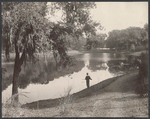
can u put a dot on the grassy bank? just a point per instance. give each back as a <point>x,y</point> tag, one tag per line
<point>84,93</point>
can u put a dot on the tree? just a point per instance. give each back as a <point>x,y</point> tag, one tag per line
<point>7,27</point>
<point>6,32</point>
<point>6,37</point>
<point>145,36</point>
<point>112,40</point>
<point>134,35</point>
<point>90,28</point>
<point>27,22</point>
<point>125,39</point>
<point>57,35</point>
<point>77,19</point>
<point>95,41</point>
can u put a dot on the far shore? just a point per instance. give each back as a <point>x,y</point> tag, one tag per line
<point>75,52</point>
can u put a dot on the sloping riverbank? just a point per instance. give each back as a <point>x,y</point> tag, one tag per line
<point>115,97</point>
<point>84,93</point>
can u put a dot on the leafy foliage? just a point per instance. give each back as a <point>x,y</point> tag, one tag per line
<point>145,35</point>
<point>124,39</point>
<point>95,41</point>
<point>27,23</point>
<point>58,37</point>
<point>77,16</point>
<point>76,22</point>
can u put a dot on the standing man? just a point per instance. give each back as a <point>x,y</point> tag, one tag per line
<point>88,78</point>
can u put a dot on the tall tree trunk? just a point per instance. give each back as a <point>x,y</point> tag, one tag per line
<point>55,54</point>
<point>64,58</point>
<point>15,82</point>
<point>7,48</point>
<point>17,69</point>
<point>16,76</point>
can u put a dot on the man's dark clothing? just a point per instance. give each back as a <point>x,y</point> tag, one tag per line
<point>87,78</point>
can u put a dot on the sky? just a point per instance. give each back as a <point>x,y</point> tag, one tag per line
<point>120,15</point>
<point>117,15</point>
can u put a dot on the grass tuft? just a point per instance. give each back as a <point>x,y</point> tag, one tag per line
<point>64,106</point>
<point>12,108</point>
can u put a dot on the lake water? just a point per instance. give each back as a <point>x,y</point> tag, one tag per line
<point>41,81</point>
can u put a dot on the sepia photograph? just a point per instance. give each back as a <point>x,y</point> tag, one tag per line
<point>74,59</point>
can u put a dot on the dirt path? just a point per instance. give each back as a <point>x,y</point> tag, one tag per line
<point>116,100</point>
<point>122,99</point>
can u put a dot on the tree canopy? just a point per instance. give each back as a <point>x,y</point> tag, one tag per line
<point>28,24</point>
<point>26,19</point>
<point>124,39</point>
<point>76,22</point>
<point>77,16</point>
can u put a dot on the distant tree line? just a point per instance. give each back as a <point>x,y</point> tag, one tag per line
<point>128,39</point>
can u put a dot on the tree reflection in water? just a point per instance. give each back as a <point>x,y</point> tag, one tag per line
<point>38,73</point>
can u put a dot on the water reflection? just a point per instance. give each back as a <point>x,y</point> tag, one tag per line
<point>42,81</point>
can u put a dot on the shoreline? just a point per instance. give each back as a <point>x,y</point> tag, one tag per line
<point>48,103</point>
<point>78,52</point>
